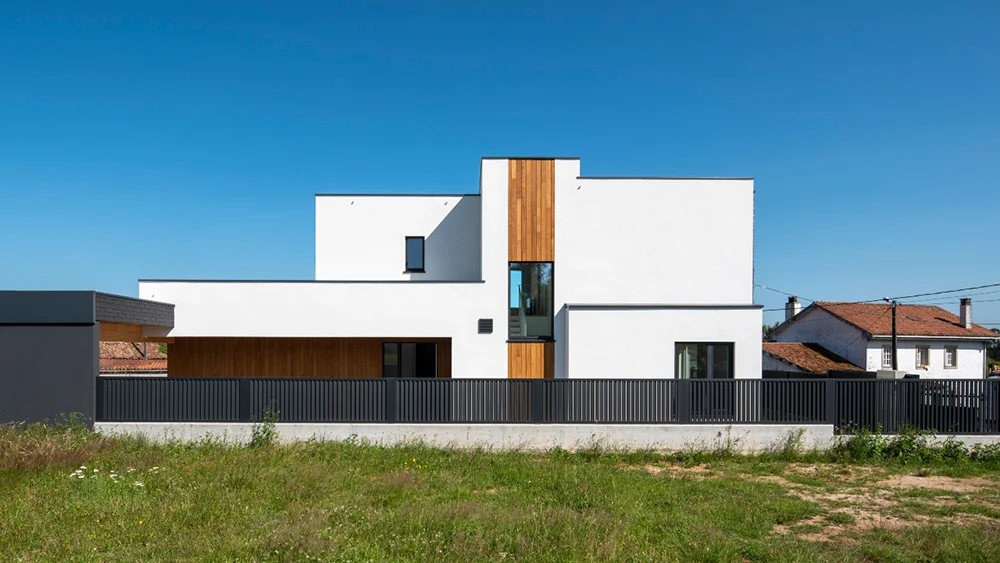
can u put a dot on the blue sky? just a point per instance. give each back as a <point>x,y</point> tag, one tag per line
<point>186,139</point>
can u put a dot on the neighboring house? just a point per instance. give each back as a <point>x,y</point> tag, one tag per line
<point>132,358</point>
<point>932,342</point>
<point>804,357</point>
<point>543,273</point>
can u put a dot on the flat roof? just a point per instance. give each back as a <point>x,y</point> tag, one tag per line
<point>394,195</point>
<point>664,177</point>
<point>309,281</point>
<point>530,158</point>
<point>81,307</point>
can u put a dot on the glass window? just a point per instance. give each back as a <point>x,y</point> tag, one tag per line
<point>390,359</point>
<point>409,359</point>
<point>950,357</point>
<point>703,360</point>
<point>887,356</point>
<point>414,254</point>
<point>531,300</point>
<point>923,357</point>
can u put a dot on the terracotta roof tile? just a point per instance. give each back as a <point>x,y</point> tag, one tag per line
<point>911,320</point>
<point>808,356</point>
<point>131,351</point>
<point>133,365</point>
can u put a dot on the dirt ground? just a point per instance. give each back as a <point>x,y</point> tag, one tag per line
<point>856,499</point>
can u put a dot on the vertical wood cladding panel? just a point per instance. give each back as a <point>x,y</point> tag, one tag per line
<point>531,219</point>
<point>288,357</point>
<point>530,360</point>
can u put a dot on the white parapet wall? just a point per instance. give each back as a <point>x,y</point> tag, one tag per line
<point>744,438</point>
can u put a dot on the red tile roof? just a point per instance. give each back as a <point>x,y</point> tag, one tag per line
<point>808,356</point>
<point>911,320</point>
<point>131,351</point>
<point>133,365</point>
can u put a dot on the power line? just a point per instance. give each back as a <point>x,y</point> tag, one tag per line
<point>964,296</point>
<point>945,291</point>
<point>782,292</point>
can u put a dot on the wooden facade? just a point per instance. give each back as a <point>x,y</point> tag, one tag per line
<point>531,237</point>
<point>531,360</point>
<point>288,357</point>
<point>531,210</point>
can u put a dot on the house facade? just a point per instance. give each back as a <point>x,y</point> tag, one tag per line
<point>542,273</point>
<point>932,342</point>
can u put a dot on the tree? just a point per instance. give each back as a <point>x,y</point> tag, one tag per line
<point>767,330</point>
<point>993,349</point>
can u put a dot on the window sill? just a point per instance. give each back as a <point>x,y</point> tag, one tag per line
<point>530,339</point>
<point>414,271</point>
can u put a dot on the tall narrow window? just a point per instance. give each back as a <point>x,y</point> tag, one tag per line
<point>923,357</point>
<point>886,356</point>
<point>703,360</point>
<point>414,254</point>
<point>531,300</point>
<point>950,356</point>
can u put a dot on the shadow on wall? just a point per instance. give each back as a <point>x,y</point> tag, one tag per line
<point>561,329</point>
<point>453,250</point>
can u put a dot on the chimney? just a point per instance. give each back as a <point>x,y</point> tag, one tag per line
<point>965,313</point>
<point>793,307</point>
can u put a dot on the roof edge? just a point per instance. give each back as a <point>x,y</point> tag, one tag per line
<point>744,178</point>
<point>394,195</point>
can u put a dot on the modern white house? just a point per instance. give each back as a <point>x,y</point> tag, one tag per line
<point>541,273</point>
<point>931,342</point>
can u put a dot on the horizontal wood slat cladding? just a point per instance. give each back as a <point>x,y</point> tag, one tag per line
<point>531,360</point>
<point>288,357</point>
<point>531,215</point>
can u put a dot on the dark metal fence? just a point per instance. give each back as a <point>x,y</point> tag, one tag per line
<point>944,406</point>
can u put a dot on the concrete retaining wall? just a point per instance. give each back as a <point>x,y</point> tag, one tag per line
<point>743,438</point>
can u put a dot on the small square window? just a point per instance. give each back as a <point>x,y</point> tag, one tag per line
<point>951,356</point>
<point>887,356</point>
<point>414,254</point>
<point>923,357</point>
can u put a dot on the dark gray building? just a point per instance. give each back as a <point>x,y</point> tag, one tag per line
<point>49,352</point>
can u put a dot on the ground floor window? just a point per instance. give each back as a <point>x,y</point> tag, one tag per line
<point>409,359</point>
<point>923,357</point>
<point>704,360</point>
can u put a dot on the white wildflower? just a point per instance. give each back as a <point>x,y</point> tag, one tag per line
<point>138,484</point>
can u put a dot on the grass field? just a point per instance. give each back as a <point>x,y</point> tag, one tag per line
<point>69,495</point>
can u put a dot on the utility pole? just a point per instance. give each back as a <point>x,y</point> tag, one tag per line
<point>895,336</point>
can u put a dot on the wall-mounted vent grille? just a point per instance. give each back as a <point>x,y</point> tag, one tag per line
<point>485,326</point>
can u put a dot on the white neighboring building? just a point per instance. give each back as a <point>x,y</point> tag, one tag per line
<point>932,342</point>
<point>543,273</point>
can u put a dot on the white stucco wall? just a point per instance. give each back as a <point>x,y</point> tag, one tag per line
<point>362,237</point>
<point>970,358</point>
<point>659,241</point>
<point>639,343</point>
<point>816,325</point>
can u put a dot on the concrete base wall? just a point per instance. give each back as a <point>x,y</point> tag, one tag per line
<point>742,438</point>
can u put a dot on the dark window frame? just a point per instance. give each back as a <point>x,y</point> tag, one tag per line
<point>552,319</point>
<point>423,255</point>
<point>732,355</point>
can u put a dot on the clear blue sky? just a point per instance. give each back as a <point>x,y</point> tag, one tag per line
<point>187,140</point>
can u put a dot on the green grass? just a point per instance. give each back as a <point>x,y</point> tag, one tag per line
<point>352,502</point>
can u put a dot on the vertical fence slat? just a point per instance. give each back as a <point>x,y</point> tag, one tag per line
<point>942,406</point>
